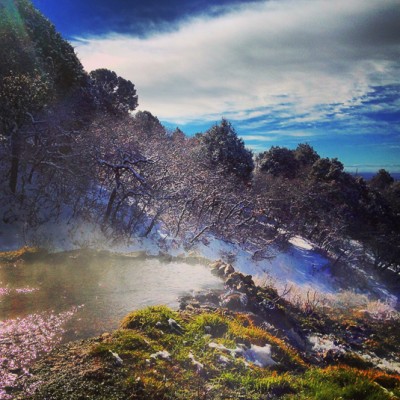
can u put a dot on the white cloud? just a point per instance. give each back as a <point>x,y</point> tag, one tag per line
<point>259,138</point>
<point>301,53</point>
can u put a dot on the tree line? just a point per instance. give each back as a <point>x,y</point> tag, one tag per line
<point>70,140</point>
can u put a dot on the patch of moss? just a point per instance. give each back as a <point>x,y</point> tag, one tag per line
<point>241,327</point>
<point>147,318</point>
<point>209,323</point>
<point>256,384</point>
<point>24,253</point>
<point>353,360</point>
<point>340,382</point>
<point>158,363</point>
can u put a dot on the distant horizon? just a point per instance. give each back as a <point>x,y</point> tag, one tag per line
<point>282,72</point>
<point>369,174</point>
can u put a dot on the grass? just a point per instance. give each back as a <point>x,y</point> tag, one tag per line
<point>346,383</point>
<point>222,375</point>
<point>24,253</point>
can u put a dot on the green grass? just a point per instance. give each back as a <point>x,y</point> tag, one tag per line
<point>24,253</point>
<point>144,376</point>
<point>341,382</point>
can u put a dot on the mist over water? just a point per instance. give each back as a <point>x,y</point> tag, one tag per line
<point>105,287</point>
<point>75,295</point>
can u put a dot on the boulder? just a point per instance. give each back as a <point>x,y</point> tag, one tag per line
<point>235,301</point>
<point>228,269</point>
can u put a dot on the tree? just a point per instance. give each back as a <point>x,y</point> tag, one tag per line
<point>149,125</point>
<point>36,66</point>
<point>381,181</point>
<point>178,135</point>
<point>20,95</point>
<point>113,93</point>
<point>392,195</point>
<point>326,169</point>
<point>278,161</point>
<point>305,154</point>
<point>223,147</point>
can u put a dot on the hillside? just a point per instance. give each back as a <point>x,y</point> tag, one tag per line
<point>79,166</point>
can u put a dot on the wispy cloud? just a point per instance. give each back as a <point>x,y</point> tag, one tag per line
<point>259,138</point>
<point>304,54</point>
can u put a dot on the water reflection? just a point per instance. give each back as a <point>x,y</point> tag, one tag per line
<point>109,286</point>
<point>76,295</point>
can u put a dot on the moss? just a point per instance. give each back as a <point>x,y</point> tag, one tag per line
<point>340,382</point>
<point>214,324</point>
<point>243,328</point>
<point>147,318</point>
<point>24,253</point>
<point>353,360</point>
<point>144,375</point>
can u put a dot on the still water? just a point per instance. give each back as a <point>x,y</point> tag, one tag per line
<point>76,295</point>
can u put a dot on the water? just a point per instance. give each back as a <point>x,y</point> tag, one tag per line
<point>77,295</point>
<point>369,175</point>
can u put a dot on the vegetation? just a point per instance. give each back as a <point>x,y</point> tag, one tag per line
<point>146,359</point>
<point>71,148</point>
<point>25,253</point>
<point>68,141</point>
<point>223,147</point>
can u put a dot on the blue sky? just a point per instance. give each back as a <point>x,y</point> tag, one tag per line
<point>282,71</point>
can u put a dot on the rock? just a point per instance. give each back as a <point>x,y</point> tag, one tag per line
<point>105,335</point>
<point>296,340</point>
<point>233,279</point>
<point>242,287</point>
<point>117,359</point>
<point>331,356</point>
<point>248,280</point>
<point>175,327</point>
<point>228,269</point>
<point>208,297</point>
<point>150,362</point>
<point>161,354</point>
<point>199,366</point>
<point>216,265</point>
<point>223,360</point>
<point>235,301</point>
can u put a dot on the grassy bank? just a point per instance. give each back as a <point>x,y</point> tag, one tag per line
<point>199,354</point>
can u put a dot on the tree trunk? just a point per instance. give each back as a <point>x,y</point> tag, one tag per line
<point>15,154</point>
<point>110,204</point>
<point>153,222</point>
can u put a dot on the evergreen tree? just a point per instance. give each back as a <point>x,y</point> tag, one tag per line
<point>279,161</point>
<point>305,154</point>
<point>382,180</point>
<point>36,66</point>
<point>113,93</point>
<point>223,147</point>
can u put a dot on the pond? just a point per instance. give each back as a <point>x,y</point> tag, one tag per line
<point>75,295</point>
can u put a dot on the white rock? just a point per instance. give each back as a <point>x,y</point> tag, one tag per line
<point>260,356</point>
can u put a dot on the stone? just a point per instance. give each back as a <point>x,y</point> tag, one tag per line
<point>235,301</point>
<point>248,280</point>
<point>228,269</point>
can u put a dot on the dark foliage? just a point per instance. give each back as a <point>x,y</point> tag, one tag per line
<point>113,93</point>
<point>329,206</point>
<point>223,147</point>
<point>306,155</point>
<point>381,181</point>
<point>279,162</point>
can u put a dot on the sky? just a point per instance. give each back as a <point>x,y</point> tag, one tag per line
<point>283,72</point>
